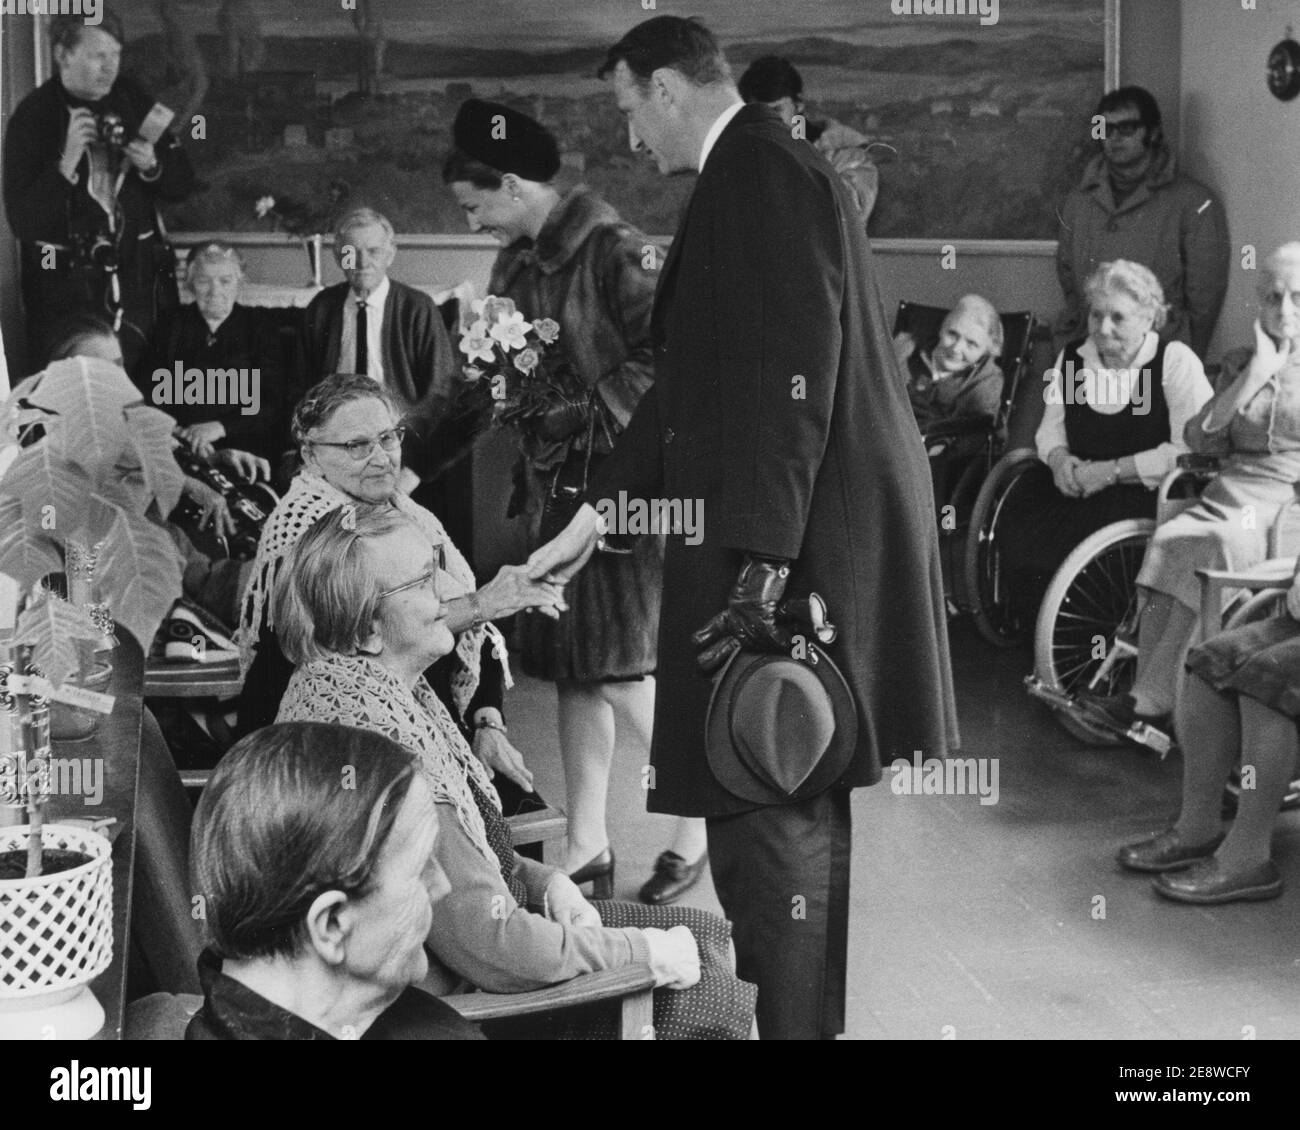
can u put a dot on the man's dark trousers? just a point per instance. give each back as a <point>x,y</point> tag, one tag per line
<point>782,875</point>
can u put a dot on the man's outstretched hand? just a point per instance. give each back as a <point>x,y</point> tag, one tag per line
<point>561,557</point>
<point>749,620</point>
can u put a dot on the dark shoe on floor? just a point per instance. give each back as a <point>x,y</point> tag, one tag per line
<point>1207,883</point>
<point>599,872</point>
<point>1165,851</point>
<point>1119,711</point>
<point>673,877</point>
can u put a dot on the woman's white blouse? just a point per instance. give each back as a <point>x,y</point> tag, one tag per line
<point>1110,391</point>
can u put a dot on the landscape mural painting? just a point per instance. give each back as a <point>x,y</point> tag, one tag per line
<point>978,129</point>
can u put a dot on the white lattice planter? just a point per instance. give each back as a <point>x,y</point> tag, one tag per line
<point>56,936</point>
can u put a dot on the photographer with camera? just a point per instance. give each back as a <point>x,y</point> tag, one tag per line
<point>86,159</point>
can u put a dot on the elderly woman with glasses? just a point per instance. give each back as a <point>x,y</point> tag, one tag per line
<point>351,442</point>
<point>357,607</point>
<point>216,332</point>
<point>313,853</point>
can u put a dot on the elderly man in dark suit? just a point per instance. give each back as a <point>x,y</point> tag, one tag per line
<point>390,331</point>
<point>778,403</point>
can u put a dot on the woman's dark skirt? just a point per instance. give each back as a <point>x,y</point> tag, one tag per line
<point>1040,528</point>
<point>1261,660</point>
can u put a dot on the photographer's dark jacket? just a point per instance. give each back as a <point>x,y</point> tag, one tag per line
<point>43,206</point>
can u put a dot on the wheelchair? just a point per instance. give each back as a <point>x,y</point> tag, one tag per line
<point>1085,630</point>
<point>956,496</point>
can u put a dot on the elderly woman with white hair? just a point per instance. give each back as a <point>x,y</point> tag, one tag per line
<point>1117,404</point>
<point>217,332</point>
<point>1253,425</point>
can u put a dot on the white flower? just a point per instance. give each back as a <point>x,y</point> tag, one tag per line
<point>511,330</point>
<point>264,205</point>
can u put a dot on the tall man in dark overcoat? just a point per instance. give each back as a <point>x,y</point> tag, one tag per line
<point>778,403</point>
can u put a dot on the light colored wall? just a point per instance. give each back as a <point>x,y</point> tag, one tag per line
<point>1238,138</point>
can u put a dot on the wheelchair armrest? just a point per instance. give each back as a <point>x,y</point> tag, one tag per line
<point>958,426</point>
<point>631,984</point>
<point>1194,462</point>
<point>1203,467</point>
<point>1274,574</point>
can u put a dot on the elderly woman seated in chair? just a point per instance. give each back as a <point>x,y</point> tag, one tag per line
<point>1116,406</point>
<point>218,333</point>
<point>312,848</point>
<point>953,377</point>
<point>1240,705</point>
<point>1253,425</point>
<point>351,441</point>
<point>357,608</point>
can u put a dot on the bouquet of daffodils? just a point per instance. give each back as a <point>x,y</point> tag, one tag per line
<point>511,364</point>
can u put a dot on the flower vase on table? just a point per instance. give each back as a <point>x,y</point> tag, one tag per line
<point>75,723</point>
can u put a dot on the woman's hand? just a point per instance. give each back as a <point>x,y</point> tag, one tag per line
<point>565,904</point>
<point>904,346</point>
<point>1064,468</point>
<point>674,957</point>
<point>511,591</point>
<point>493,748</point>
<point>201,437</point>
<point>1269,355</point>
<point>244,465</point>
<point>212,507</point>
<point>1092,477</point>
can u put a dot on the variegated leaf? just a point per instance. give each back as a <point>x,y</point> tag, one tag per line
<point>139,572</point>
<point>39,479</point>
<point>89,396</point>
<point>24,558</point>
<point>151,438</point>
<point>52,627</point>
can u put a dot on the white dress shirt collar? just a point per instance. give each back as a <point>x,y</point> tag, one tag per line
<point>715,130</point>
<point>374,300</point>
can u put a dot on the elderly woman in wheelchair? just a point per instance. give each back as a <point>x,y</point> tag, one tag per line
<point>1116,406</point>
<point>1239,704</point>
<point>1253,425</point>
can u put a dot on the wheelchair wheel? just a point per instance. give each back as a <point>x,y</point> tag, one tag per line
<point>996,616</point>
<point>1091,595</point>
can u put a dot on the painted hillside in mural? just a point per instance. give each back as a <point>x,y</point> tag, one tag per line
<point>978,130</point>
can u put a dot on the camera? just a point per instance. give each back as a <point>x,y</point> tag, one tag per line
<point>111,129</point>
<point>94,252</point>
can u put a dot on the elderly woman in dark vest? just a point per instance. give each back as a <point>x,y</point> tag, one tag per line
<point>1112,428</point>
<point>568,257</point>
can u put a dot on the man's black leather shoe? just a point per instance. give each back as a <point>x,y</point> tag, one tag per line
<point>673,877</point>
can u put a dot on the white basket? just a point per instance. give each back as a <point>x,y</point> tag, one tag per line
<point>56,931</point>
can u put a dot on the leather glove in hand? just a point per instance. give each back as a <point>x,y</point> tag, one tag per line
<point>563,420</point>
<point>749,620</point>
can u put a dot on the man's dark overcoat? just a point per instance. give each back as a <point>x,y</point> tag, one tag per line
<point>778,402</point>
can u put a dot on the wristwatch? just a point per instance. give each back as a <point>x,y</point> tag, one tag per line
<point>490,724</point>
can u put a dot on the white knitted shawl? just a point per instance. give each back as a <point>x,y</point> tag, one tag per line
<point>355,690</point>
<point>308,499</point>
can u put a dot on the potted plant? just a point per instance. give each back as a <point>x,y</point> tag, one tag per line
<point>88,481</point>
<point>87,496</point>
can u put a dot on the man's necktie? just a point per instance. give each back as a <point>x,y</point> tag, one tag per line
<point>363,359</point>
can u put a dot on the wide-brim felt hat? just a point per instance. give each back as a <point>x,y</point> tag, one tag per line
<point>780,729</point>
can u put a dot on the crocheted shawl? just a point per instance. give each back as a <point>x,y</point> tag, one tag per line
<point>308,499</point>
<point>355,690</point>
